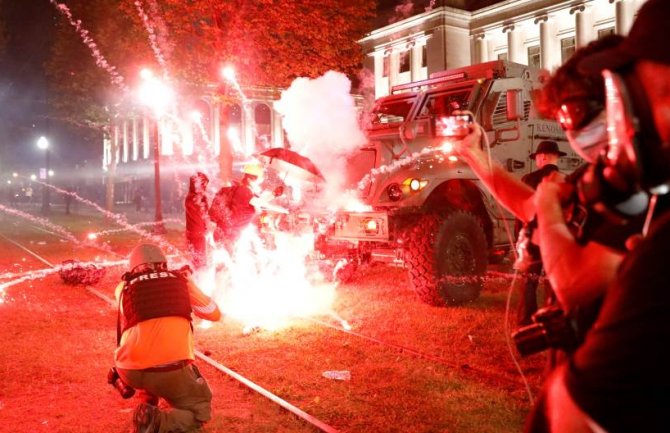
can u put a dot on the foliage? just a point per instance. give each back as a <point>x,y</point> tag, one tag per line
<point>269,42</point>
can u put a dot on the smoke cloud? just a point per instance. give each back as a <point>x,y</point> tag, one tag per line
<point>321,122</point>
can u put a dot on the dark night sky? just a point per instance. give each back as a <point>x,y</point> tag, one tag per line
<point>22,83</point>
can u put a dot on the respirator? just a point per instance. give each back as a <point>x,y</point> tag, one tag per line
<point>613,194</point>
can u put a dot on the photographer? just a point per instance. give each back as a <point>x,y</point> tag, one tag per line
<point>585,270</point>
<point>155,343</point>
<point>618,380</point>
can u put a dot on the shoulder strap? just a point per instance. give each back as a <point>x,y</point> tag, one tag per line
<point>118,317</point>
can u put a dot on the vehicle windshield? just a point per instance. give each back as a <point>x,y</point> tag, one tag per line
<point>444,103</point>
<point>393,111</point>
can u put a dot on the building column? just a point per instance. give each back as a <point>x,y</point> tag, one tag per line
<point>124,132</point>
<point>546,43</point>
<point>582,31</point>
<point>111,171</point>
<point>514,47</point>
<point>624,17</point>
<point>415,65</point>
<point>394,66</point>
<point>380,82</point>
<point>146,139</point>
<point>277,130</point>
<point>481,48</point>
<point>115,144</point>
<point>136,143</point>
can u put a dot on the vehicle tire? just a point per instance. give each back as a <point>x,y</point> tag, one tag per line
<point>446,257</point>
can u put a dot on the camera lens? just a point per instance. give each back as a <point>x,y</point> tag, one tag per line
<point>530,339</point>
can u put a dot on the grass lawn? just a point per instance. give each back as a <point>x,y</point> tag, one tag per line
<point>59,339</point>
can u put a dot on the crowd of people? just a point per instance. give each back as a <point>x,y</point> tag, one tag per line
<point>613,100</point>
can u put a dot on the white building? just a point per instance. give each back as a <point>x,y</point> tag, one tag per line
<point>224,130</point>
<point>541,33</point>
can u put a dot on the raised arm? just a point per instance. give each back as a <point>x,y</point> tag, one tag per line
<point>511,192</point>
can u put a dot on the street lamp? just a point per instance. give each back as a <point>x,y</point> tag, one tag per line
<point>157,96</point>
<point>43,144</point>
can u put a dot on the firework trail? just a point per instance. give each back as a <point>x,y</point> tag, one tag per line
<point>42,221</point>
<point>148,223</point>
<point>100,60</point>
<point>245,106</point>
<point>153,41</point>
<point>119,219</point>
<point>393,166</point>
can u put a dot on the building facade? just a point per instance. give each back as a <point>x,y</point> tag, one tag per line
<point>208,134</point>
<point>540,33</point>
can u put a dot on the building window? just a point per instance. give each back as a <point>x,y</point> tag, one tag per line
<point>404,62</point>
<point>424,56</point>
<point>605,32</point>
<point>567,48</point>
<point>502,56</point>
<point>386,66</point>
<point>534,57</point>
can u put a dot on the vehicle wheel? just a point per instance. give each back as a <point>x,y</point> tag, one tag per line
<point>446,257</point>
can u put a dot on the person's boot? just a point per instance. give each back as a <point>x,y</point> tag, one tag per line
<point>146,419</point>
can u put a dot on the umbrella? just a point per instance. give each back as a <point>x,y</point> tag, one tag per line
<point>291,162</point>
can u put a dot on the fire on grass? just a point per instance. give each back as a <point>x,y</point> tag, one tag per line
<point>264,287</point>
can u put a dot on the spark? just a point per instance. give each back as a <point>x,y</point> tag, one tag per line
<point>100,60</point>
<point>153,42</point>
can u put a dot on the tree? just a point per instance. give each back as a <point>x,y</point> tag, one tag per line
<point>269,42</point>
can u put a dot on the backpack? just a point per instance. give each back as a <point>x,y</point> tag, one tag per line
<point>219,211</point>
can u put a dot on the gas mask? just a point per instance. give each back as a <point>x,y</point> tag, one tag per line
<point>616,194</point>
<point>636,158</point>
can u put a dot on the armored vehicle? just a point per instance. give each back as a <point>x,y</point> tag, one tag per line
<point>429,212</point>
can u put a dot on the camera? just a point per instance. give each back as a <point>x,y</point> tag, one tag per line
<point>552,329</point>
<point>455,126</point>
<point>114,379</point>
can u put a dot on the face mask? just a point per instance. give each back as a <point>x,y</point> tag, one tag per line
<point>590,140</point>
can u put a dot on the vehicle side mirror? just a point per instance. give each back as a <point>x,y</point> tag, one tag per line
<point>514,104</point>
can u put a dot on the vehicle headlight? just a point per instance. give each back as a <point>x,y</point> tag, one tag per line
<point>371,226</point>
<point>415,184</point>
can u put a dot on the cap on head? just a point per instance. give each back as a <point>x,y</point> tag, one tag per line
<point>146,254</point>
<point>253,169</point>
<point>547,147</point>
<point>647,40</point>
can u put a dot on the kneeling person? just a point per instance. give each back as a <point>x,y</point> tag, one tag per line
<point>155,350</point>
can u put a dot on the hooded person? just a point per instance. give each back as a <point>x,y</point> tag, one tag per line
<point>196,207</point>
<point>155,350</point>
